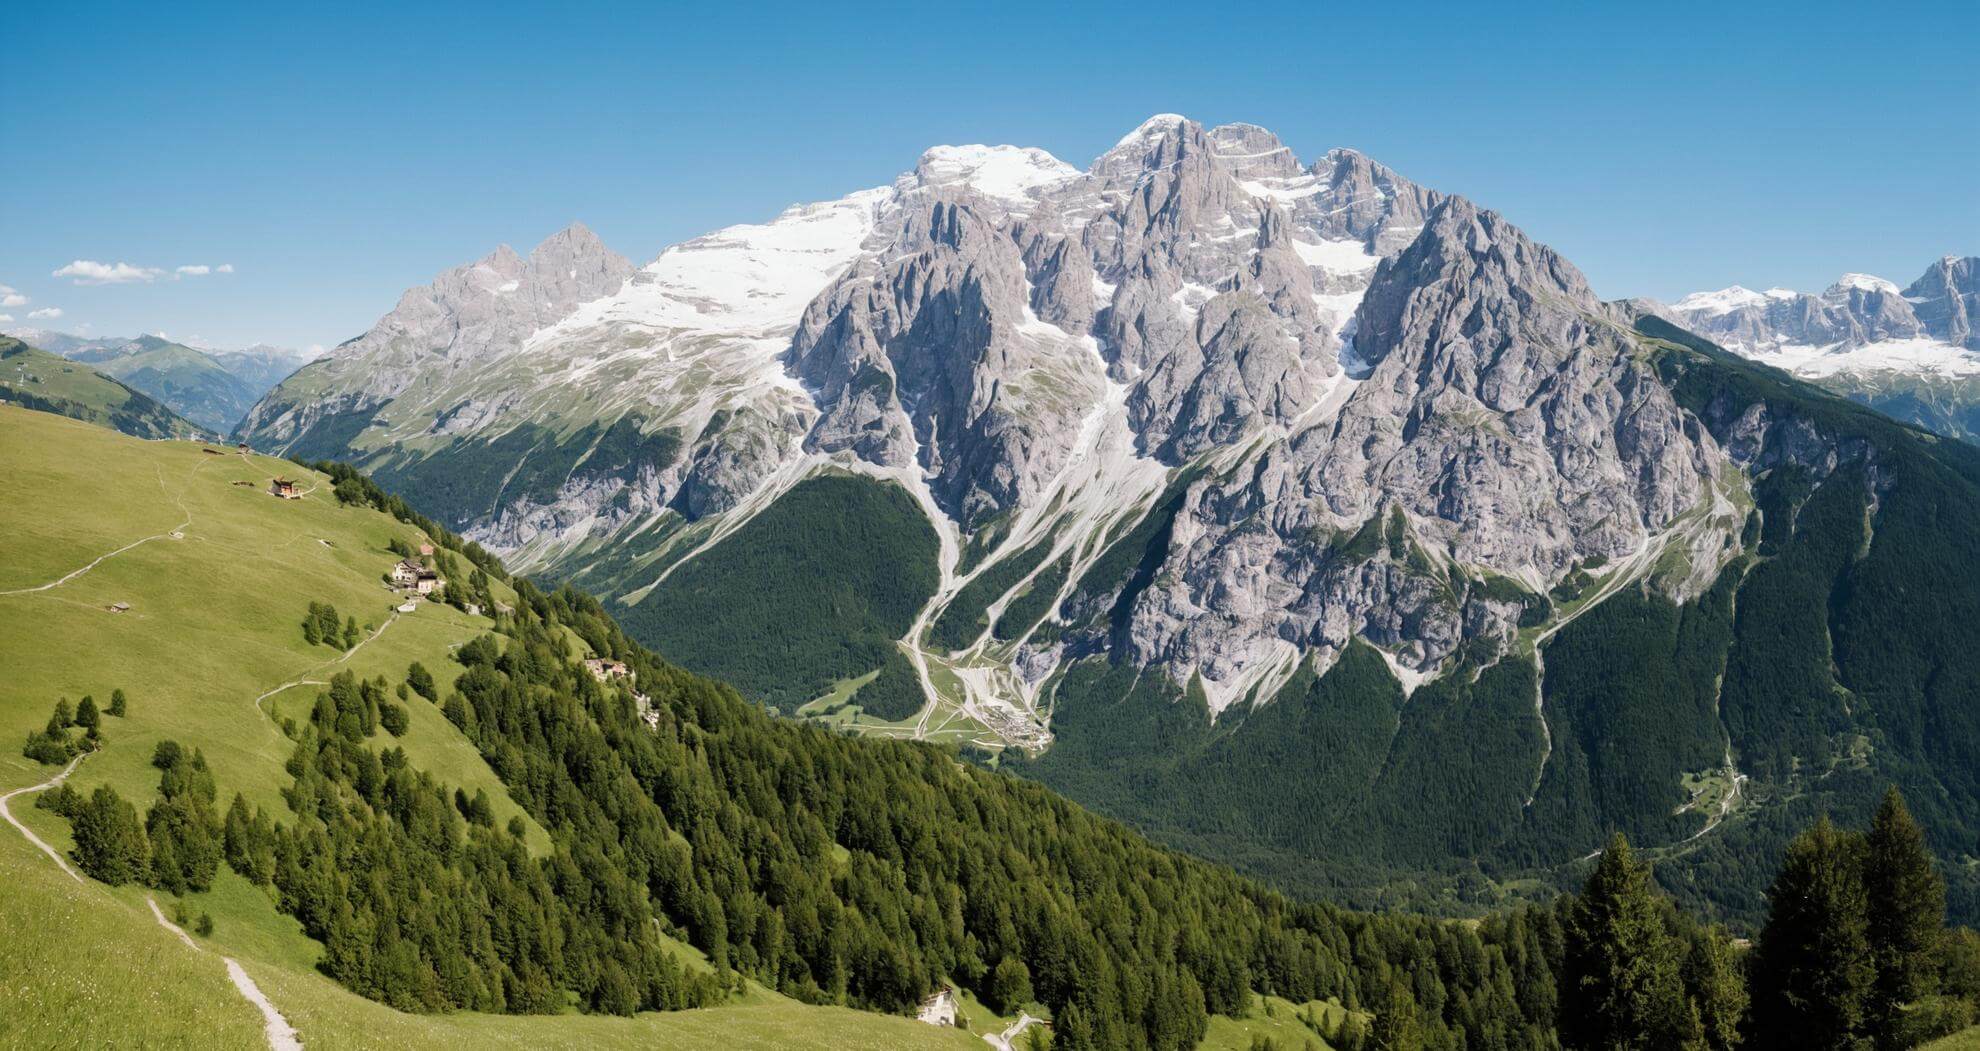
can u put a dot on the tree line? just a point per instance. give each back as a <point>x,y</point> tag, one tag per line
<point>1854,956</point>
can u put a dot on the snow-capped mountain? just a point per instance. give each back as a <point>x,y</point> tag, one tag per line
<point>1036,351</point>
<point>1013,453</point>
<point>1911,352</point>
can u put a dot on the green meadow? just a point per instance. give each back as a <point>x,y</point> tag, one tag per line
<point>215,575</point>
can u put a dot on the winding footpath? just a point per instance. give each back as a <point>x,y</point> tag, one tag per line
<point>281,1035</point>
<point>1007,1040</point>
<point>177,532</point>
<point>41,844</point>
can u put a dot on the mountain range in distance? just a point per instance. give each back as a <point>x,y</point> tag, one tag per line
<point>212,388</point>
<point>1912,353</point>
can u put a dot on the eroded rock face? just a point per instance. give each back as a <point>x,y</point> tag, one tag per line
<point>1507,422</point>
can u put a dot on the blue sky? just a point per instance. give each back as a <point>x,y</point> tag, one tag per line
<point>335,160</point>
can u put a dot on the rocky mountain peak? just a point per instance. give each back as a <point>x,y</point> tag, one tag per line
<point>1249,151</point>
<point>1946,299</point>
<point>1033,349</point>
<point>1472,277</point>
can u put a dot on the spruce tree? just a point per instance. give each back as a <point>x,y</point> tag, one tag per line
<point>1907,912</point>
<point>1621,986</point>
<point>1397,1027</point>
<point>119,704</point>
<point>1010,984</point>
<point>421,681</point>
<point>86,715</point>
<point>110,843</point>
<point>1813,972</point>
<point>1716,990</point>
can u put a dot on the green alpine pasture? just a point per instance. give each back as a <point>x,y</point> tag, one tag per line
<point>215,574</point>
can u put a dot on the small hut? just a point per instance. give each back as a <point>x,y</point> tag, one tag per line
<point>406,573</point>
<point>285,488</point>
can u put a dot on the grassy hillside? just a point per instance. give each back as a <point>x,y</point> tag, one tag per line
<point>212,629</point>
<point>38,380</point>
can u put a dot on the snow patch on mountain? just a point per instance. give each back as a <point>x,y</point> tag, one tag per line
<point>1726,300</point>
<point>1864,283</point>
<point>1013,175</point>
<point>1921,357</point>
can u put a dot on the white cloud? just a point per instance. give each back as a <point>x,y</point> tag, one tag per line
<point>9,297</point>
<point>45,314</point>
<point>4,318</point>
<point>224,268</point>
<point>196,270</point>
<point>91,272</point>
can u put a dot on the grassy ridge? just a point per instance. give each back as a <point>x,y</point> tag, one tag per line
<point>37,380</point>
<point>213,624</point>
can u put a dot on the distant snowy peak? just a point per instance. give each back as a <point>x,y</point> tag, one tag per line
<point>1859,325</point>
<point>1729,299</point>
<point>1863,283</point>
<point>1152,129</point>
<point>1012,175</point>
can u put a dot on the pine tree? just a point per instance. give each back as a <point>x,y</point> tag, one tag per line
<point>421,681</point>
<point>1813,971</point>
<point>86,716</point>
<point>110,843</point>
<point>119,704</point>
<point>62,718</point>
<point>1907,912</point>
<point>1620,983</point>
<point>1397,1027</point>
<point>350,633</point>
<point>1716,990</point>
